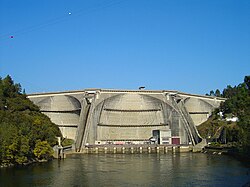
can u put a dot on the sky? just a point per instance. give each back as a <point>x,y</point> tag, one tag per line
<point>192,46</point>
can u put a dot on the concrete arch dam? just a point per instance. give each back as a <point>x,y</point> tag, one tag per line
<point>97,116</point>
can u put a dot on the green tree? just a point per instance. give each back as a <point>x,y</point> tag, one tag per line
<point>237,104</point>
<point>247,82</point>
<point>211,93</point>
<point>43,150</point>
<point>217,93</point>
<point>22,126</point>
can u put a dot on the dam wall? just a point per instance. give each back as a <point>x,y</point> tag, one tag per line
<point>99,116</point>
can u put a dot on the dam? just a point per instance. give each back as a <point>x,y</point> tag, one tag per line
<point>127,117</point>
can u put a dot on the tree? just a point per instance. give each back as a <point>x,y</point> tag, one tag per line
<point>211,93</point>
<point>22,126</point>
<point>237,104</point>
<point>247,82</point>
<point>43,150</point>
<point>217,93</point>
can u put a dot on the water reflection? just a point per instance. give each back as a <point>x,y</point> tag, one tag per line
<point>185,169</point>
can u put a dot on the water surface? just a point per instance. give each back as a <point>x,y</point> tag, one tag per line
<point>185,169</point>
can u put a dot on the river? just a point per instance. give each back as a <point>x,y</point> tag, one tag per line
<point>183,169</point>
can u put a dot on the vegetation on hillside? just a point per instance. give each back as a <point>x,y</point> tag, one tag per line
<point>25,133</point>
<point>236,105</point>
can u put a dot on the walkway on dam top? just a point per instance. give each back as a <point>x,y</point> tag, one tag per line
<point>94,91</point>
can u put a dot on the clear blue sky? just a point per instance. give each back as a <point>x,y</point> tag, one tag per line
<point>192,46</point>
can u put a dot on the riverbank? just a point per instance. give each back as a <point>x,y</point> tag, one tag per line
<point>230,151</point>
<point>32,161</point>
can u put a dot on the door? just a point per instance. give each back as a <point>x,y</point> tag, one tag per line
<point>176,141</point>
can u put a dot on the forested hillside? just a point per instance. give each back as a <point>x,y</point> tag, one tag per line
<point>25,133</point>
<point>236,105</point>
